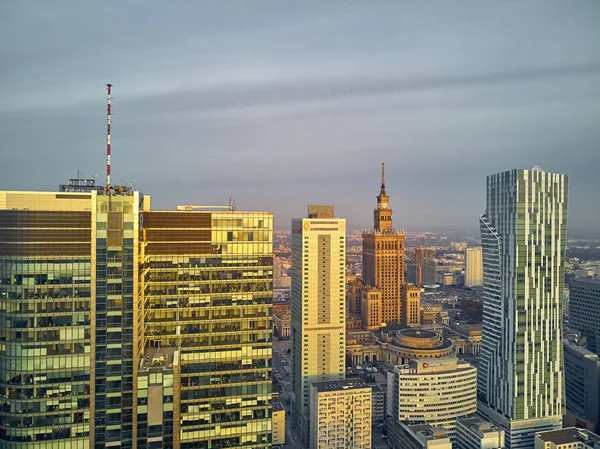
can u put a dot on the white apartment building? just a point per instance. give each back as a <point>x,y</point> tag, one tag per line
<point>340,415</point>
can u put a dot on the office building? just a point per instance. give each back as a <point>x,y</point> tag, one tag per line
<point>125,327</point>
<point>473,267</point>
<point>523,234</point>
<point>569,438</point>
<point>474,433</point>
<point>340,415</point>
<point>354,297</point>
<point>419,436</point>
<point>66,312</point>
<point>411,305</point>
<point>207,289</point>
<point>278,424</point>
<point>582,387</point>
<point>383,258</point>
<point>378,400</point>
<point>318,306</point>
<point>446,385</point>
<point>584,310</point>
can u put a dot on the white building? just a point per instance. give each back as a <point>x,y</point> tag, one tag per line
<point>523,234</point>
<point>473,267</point>
<point>318,306</point>
<point>421,436</point>
<point>475,433</point>
<point>569,438</point>
<point>340,413</point>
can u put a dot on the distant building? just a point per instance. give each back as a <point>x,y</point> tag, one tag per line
<point>354,297</point>
<point>418,436</point>
<point>582,387</point>
<point>569,438</point>
<point>278,424</point>
<point>383,258</point>
<point>434,315</point>
<point>473,267</point>
<point>584,310</point>
<point>282,324</point>
<point>429,269</point>
<point>411,305</point>
<point>459,246</point>
<point>474,433</point>
<point>340,414</point>
<point>318,306</point>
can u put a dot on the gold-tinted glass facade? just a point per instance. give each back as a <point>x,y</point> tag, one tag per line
<point>45,301</point>
<point>206,280</point>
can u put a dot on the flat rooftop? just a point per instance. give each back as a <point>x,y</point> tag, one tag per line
<point>335,385</point>
<point>569,436</point>
<point>277,407</point>
<point>478,424</point>
<point>158,358</point>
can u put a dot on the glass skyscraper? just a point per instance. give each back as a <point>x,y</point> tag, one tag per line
<point>523,234</point>
<point>122,327</point>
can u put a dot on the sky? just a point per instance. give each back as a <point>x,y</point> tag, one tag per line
<point>281,104</point>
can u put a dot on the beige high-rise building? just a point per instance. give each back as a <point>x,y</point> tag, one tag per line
<point>473,267</point>
<point>383,258</point>
<point>318,306</point>
<point>411,305</point>
<point>340,415</point>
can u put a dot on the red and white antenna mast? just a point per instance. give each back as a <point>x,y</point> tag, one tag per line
<point>108,86</point>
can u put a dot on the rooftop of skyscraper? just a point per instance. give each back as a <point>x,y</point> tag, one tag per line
<point>334,385</point>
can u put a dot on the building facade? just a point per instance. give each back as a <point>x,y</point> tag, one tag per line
<point>207,290</point>
<point>473,267</point>
<point>418,436</point>
<point>474,433</point>
<point>569,438</point>
<point>278,424</point>
<point>584,310</point>
<point>318,307</point>
<point>523,234</point>
<point>411,305</point>
<point>131,328</point>
<point>340,415</point>
<point>429,384</point>
<point>383,258</point>
<point>582,387</point>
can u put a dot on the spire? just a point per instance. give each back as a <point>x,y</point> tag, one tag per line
<point>382,174</point>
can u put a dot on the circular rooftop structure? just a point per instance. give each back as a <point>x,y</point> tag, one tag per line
<point>417,343</point>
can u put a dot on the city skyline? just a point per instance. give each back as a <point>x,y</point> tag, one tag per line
<point>282,106</point>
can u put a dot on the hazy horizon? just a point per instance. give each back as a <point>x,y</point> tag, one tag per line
<point>278,105</point>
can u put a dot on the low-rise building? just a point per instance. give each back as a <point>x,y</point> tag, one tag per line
<point>434,315</point>
<point>418,436</point>
<point>282,324</point>
<point>278,424</point>
<point>569,438</point>
<point>340,414</point>
<point>475,433</point>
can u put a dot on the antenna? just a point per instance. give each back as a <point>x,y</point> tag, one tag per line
<point>108,86</point>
